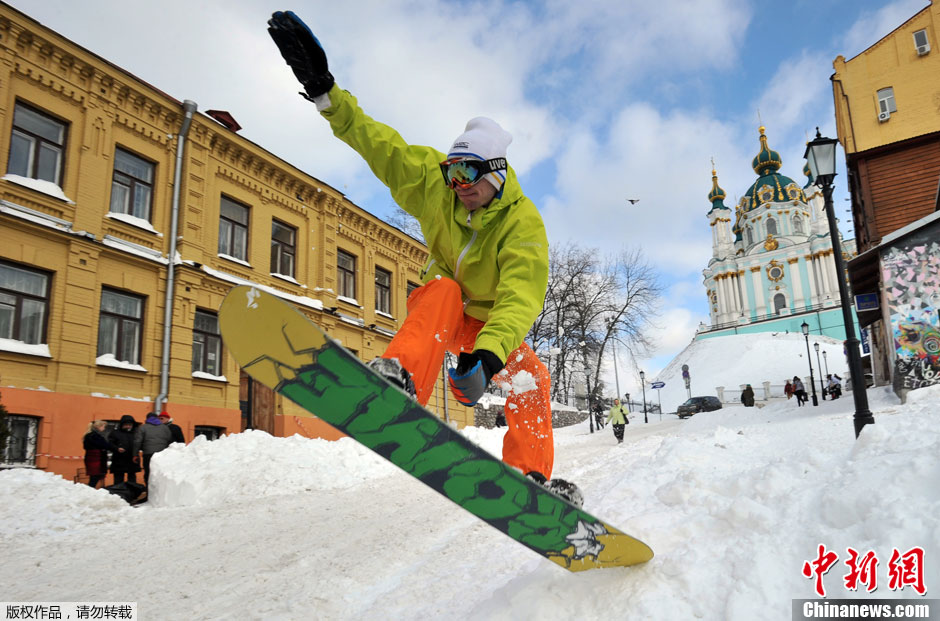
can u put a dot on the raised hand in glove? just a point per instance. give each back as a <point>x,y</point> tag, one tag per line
<point>472,375</point>
<point>302,51</point>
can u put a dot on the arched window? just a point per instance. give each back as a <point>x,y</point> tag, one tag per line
<point>750,236</point>
<point>771,226</point>
<point>798,225</point>
<point>780,303</point>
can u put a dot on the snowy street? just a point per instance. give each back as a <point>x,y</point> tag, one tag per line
<point>733,502</point>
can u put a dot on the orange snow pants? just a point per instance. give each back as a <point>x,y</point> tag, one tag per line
<point>436,323</point>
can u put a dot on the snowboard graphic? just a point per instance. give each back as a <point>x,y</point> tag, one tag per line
<point>279,347</point>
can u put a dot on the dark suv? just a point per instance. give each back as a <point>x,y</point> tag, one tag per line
<point>698,404</point>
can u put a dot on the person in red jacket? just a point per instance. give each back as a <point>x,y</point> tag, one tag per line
<point>486,277</point>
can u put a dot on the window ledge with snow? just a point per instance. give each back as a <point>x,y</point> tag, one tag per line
<point>285,277</point>
<point>353,301</point>
<point>384,314</point>
<point>229,257</point>
<point>134,221</point>
<point>210,377</point>
<point>108,360</point>
<point>45,187</point>
<point>19,347</point>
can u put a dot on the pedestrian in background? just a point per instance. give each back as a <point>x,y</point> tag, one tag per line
<point>799,390</point>
<point>96,447</point>
<point>617,417</point>
<point>747,397</point>
<point>151,438</point>
<point>125,464</point>
<point>788,390</point>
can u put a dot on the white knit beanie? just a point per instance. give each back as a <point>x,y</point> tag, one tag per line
<point>483,139</point>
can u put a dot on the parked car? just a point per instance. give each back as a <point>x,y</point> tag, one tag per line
<point>698,404</point>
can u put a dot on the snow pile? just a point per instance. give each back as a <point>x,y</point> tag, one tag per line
<point>255,464</point>
<point>737,359</point>
<point>41,503</point>
<point>733,503</point>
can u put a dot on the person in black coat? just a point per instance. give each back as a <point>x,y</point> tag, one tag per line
<point>126,465</point>
<point>96,452</point>
<point>175,430</point>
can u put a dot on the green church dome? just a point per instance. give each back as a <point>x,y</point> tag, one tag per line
<point>717,195</point>
<point>771,186</point>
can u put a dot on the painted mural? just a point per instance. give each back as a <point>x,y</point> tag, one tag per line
<point>911,277</point>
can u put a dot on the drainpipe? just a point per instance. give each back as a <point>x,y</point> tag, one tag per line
<point>189,108</point>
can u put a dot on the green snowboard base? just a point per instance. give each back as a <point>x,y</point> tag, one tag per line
<point>281,348</point>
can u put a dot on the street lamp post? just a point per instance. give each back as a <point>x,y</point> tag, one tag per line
<point>822,386</point>
<point>805,328</point>
<point>821,156</point>
<point>643,385</point>
<point>826,362</point>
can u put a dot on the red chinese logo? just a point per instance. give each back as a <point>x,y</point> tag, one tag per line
<point>904,569</point>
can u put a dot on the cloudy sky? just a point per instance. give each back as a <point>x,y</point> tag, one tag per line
<point>606,100</point>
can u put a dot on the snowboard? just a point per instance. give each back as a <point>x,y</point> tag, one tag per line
<point>284,350</point>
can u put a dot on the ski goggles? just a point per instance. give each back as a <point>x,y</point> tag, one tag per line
<point>464,172</point>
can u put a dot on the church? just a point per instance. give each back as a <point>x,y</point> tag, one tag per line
<point>772,265</point>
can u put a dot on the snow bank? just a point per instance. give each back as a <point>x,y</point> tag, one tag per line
<point>35,501</point>
<point>254,464</point>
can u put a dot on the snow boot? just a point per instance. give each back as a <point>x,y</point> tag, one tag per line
<point>391,369</point>
<point>561,488</point>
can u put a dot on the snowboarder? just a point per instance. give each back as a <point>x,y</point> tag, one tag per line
<point>486,277</point>
<point>617,416</point>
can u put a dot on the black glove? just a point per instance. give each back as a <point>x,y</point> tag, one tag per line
<point>302,51</point>
<point>472,375</point>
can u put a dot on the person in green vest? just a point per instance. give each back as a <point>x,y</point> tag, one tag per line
<point>617,417</point>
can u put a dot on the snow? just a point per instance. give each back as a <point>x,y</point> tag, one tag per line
<point>46,187</point>
<point>133,221</point>
<point>737,359</point>
<point>19,347</point>
<point>209,376</point>
<point>733,502</point>
<point>108,360</point>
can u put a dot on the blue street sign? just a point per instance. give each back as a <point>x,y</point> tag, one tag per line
<point>866,302</point>
<point>659,384</point>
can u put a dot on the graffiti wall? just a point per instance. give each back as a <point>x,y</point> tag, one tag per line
<point>911,277</point>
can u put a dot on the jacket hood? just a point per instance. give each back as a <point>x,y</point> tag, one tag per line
<point>127,419</point>
<point>154,420</point>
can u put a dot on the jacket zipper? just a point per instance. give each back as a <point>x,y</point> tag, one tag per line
<point>463,254</point>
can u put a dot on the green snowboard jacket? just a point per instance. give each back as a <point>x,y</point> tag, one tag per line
<point>498,254</point>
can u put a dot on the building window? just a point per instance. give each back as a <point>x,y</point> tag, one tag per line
<point>132,185</point>
<point>798,225</point>
<point>210,433</point>
<point>207,344</point>
<point>37,146</point>
<point>383,291</point>
<point>20,449</point>
<point>750,236</point>
<point>886,100</point>
<point>346,274</point>
<point>283,249</point>
<point>780,303</point>
<point>411,286</point>
<point>771,226</point>
<point>24,300</point>
<point>120,326</point>
<point>233,229</point>
<point>920,42</point>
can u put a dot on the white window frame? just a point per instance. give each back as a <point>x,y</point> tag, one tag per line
<point>886,102</point>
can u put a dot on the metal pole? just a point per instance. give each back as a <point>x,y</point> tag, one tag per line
<point>863,415</point>
<point>812,380</point>
<point>645,418</point>
<point>659,396</point>
<point>822,386</point>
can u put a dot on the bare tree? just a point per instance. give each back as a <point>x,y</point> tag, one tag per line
<point>405,222</point>
<point>592,301</point>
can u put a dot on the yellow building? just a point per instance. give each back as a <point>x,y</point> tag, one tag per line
<point>100,170</point>
<point>888,121</point>
<point>887,106</point>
